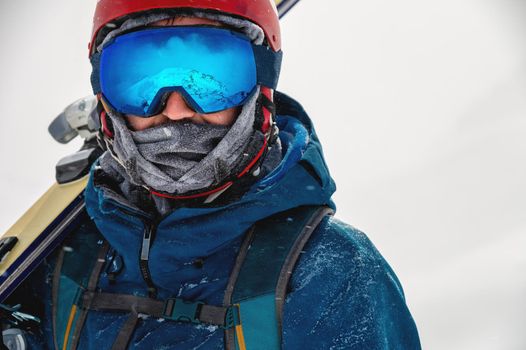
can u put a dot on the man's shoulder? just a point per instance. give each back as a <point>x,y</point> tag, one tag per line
<point>343,294</point>
<point>343,252</point>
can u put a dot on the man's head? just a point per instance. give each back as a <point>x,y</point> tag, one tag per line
<point>204,62</point>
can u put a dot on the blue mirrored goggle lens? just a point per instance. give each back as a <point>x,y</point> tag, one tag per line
<point>213,68</point>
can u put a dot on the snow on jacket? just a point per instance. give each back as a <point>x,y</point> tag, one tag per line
<point>343,294</point>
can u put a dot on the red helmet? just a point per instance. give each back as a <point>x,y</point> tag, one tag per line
<point>261,12</point>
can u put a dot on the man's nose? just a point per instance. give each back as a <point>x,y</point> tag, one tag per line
<point>176,107</point>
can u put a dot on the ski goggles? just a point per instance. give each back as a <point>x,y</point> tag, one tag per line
<point>212,68</point>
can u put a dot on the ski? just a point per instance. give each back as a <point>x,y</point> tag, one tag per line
<point>38,232</point>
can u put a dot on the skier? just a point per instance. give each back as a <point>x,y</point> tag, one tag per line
<point>208,217</point>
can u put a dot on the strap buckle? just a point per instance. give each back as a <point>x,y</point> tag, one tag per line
<point>232,317</point>
<point>177,309</point>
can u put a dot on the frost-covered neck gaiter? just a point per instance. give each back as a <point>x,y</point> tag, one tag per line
<point>159,157</point>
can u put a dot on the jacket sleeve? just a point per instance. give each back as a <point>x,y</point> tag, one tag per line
<point>344,295</point>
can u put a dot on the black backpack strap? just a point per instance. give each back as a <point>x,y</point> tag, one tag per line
<point>173,309</point>
<point>292,259</point>
<point>262,271</point>
<point>126,332</point>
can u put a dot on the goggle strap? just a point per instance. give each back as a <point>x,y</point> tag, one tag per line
<point>268,104</point>
<point>267,114</point>
<point>268,65</point>
<point>95,73</point>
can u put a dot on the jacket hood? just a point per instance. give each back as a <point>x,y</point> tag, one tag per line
<point>212,235</point>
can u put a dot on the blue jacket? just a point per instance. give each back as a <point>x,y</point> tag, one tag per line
<point>343,295</point>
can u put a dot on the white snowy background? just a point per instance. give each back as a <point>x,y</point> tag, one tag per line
<point>420,106</point>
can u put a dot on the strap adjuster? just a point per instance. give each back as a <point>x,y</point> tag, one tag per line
<point>177,309</point>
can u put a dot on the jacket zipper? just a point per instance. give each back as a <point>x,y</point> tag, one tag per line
<point>150,228</point>
<point>147,240</point>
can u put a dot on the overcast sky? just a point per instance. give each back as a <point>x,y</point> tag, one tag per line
<point>420,107</point>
